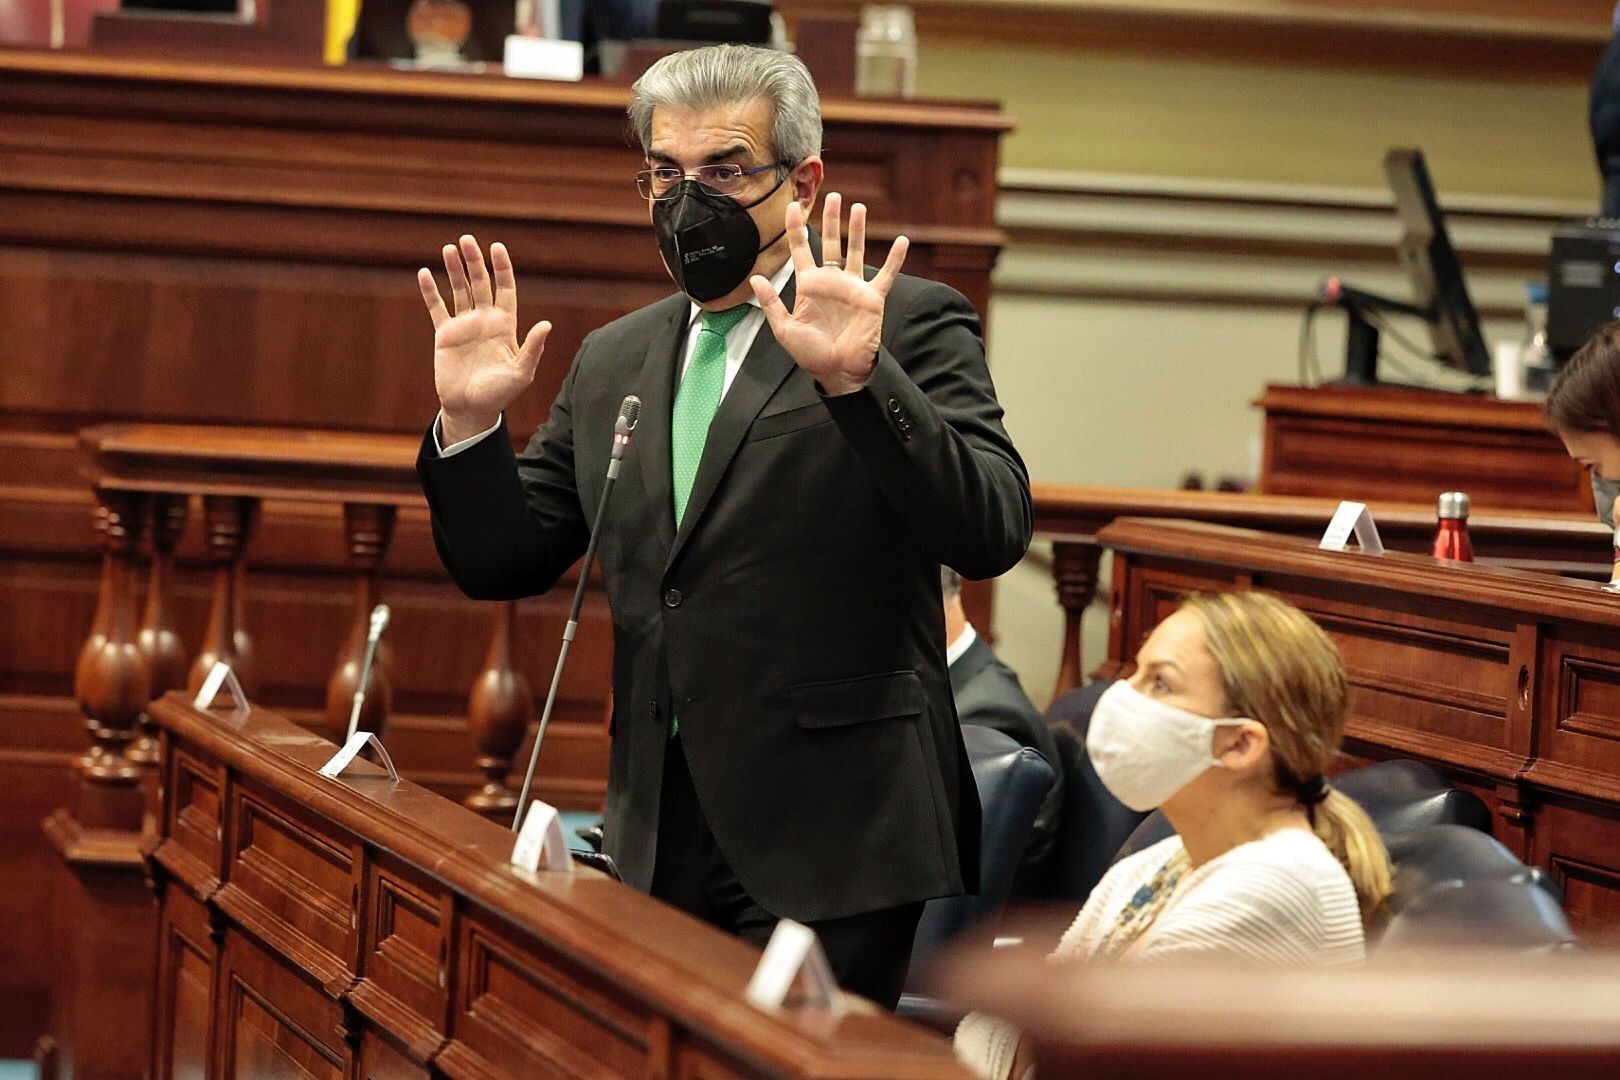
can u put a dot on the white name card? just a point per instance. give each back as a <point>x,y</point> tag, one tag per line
<point>221,677</point>
<point>543,58</point>
<point>794,951</point>
<point>346,755</point>
<point>1352,517</point>
<point>541,844</point>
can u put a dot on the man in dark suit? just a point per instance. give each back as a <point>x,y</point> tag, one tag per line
<point>988,692</point>
<point>815,440</point>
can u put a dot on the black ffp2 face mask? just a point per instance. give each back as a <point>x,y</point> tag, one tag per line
<point>709,241</point>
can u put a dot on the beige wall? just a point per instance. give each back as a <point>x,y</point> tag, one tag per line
<point>1177,116</point>
<point>1170,218</point>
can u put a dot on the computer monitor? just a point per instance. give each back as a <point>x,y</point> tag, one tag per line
<point>1439,293</point>
<point>734,21</point>
<point>1431,266</point>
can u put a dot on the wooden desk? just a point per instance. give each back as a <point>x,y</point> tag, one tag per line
<point>1071,516</point>
<point>366,928</point>
<point>1371,444</point>
<point>1452,1016</point>
<point>1506,680</point>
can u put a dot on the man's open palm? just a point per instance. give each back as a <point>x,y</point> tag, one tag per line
<point>478,366</point>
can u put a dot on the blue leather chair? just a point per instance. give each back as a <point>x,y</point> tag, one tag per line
<point>1429,857</point>
<point>1502,914</point>
<point>1094,825</point>
<point>1012,780</point>
<point>1400,796</point>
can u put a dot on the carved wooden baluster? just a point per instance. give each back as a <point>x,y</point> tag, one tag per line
<point>111,680</point>
<point>499,712</point>
<point>165,653</point>
<point>1074,572</point>
<point>229,522</point>
<point>368,528</point>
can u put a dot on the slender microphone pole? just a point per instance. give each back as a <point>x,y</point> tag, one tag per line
<point>629,413</point>
<point>379,623</point>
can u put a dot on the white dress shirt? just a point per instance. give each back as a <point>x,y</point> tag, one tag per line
<point>738,342</point>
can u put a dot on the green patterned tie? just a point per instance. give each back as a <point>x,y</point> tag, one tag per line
<point>697,400</point>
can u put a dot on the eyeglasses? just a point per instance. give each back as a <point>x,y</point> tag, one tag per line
<point>726,179</point>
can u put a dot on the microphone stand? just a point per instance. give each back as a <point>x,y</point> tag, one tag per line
<point>629,413</point>
<point>379,622</point>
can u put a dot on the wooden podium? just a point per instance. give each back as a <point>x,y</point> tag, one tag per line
<point>1394,445</point>
<point>366,927</point>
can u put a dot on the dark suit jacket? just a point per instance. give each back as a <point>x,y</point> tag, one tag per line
<point>988,692</point>
<point>794,622</point>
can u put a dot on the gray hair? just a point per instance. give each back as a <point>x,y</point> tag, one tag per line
<point>950,583</point>
<point>726,75</point>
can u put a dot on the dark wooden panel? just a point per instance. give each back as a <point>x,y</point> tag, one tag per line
<point>532,1006</point>
<point>293,883</point>
<point>272,1023</point>
<point>404,958</point>
<point>184,999</point>
<point>1409,446</point>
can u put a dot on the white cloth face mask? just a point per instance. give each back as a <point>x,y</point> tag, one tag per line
<point>1144,750</point>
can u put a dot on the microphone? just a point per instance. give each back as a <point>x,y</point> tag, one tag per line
<point>379,622</point>
<point>1335,291</point>
<point>623,428</point>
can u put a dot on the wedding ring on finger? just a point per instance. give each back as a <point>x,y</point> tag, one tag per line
<point>837,264</point>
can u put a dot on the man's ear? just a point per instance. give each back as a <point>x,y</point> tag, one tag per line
<point>806,179</point>
<point>1240,747</point>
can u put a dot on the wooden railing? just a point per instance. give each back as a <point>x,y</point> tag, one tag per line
<point>1070,516</point>
<point>147,478</point>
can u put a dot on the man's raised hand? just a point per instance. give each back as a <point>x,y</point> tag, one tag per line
<point>478,366</point>
<point>836,323</point>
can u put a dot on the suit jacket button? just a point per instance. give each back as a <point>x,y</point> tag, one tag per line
<point>652,709</point>
<point>672,598</point>
<point>894,405</point>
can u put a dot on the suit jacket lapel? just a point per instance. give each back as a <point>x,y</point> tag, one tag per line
<point>657,388</point>
<point>762,371</point>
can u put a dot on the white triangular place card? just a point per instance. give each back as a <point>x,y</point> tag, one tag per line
<point>794,955</point>
<point>351,749</point>
<point>541,844</point>
<point>221,677</point>
<point>1352,517</point>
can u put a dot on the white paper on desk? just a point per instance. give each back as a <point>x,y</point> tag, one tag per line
<point>792,950</point>
<point>543,58</point>
<point>1352,517</point>
<point>221,677</point>
<point>357,742</point>
<point>541,844</point>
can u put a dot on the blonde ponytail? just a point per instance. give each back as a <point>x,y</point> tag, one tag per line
<point>1346,830</point>
<point>1281,670</point>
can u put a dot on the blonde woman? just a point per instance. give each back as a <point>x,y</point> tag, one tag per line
<point>1236,707</point>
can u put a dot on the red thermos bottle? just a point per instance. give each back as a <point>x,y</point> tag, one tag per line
<point>1451,539</point>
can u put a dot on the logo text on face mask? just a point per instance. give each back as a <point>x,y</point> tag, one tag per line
<point>702,253</point>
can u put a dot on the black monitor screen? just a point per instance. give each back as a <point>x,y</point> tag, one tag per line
<point>1432,267</point>
<point>746,21</point>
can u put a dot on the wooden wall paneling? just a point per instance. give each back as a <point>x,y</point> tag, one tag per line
<point>1579,723</point>
<point>294,884</point>
<point>273,1020</point>
<point>523,1003</point>
<point>183,1000</point>
<point>405,958</point>
<point>1576,841</point>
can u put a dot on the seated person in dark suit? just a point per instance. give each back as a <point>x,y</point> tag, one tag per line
<point>988,692</point>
